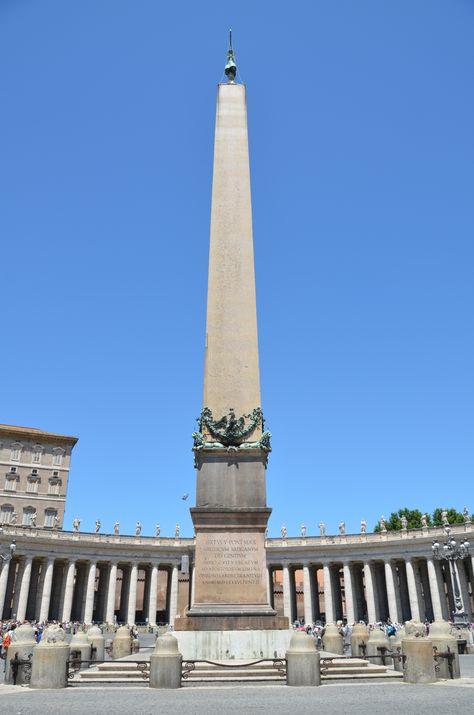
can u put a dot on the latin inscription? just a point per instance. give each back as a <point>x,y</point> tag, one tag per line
<point>230,568</point>
<point>230,561</point>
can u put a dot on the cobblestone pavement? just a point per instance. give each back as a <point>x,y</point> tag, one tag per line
<point>360,699</point>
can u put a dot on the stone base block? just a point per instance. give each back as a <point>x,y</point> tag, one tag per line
<point>419,663</point>
<point>231,623</point>
<point>233,645</point>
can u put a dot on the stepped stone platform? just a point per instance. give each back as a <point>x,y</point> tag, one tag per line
<point>338,669</point>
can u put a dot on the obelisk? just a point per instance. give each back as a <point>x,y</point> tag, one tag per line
<point>230,590</point>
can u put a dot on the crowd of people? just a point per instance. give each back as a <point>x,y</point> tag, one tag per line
<point>7,628</point>
<point>316,630</point>
<point>390,628</point>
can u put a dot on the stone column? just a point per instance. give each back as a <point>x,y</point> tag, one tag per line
<point>24,589</point>
<point>174,594</point>
<point>110,607</point>
<point>328,599</point>
<point>369,593</point>
<point>16,590</point>
<point>3,585</point>
<point>398,591</point>
<point>412,591</point>
<point>434,590</point>
<point>308,596</point>
<point>132,594</point>
<point>152,596</point>
<point>418,571</point>
<point>287,593</point>
<point>350,613</point>
<point>391,593</point>
<point>46,593</point>
<point>464,587</point>
<point>90,590</point>
<point>403,587</point>
<point>68,591</point>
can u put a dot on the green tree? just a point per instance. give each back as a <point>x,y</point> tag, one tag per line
<point>394,522</point>
<point>454,517</point>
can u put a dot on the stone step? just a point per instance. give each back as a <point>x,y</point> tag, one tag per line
<point>97,674</point>
<point>238,673</point>
<point>356,671</point>
<point>346,663</point>
<point>219,669</point>
<point>243,679</point>
<point>104,680</point>
<point>366,676</point>
<point>117,665</point>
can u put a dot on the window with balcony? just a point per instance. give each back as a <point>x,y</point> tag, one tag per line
<point>53,485</point>
<point>32,484</point>
<point>27,514</point>
<point>50,516</point>
<point>6,511</point>
<point>10,483</point>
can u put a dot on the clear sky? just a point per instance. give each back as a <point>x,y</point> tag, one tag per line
<point>361,119</point>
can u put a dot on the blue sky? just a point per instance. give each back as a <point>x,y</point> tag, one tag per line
<point>361,119</point>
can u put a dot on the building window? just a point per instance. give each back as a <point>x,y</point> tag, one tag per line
<point>58,453</point>
<point>34,471</point>
<point>12,470</point>
<point>10,483</point>
<point>49,516</point>
<point>32,485</point>
<point>6,512</point>
<point>16,451</point>
<point>27,514</point>
<point>37,452</point>
<point>53,486</point>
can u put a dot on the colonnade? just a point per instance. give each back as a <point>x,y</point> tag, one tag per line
<point>103,578</point>
<point>372,590</point>
<point>38,588</point>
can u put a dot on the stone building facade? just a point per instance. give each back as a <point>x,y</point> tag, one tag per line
<point>34,472</point>
<point>137,579</point>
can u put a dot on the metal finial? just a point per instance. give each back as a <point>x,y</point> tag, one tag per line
<point>231,67</point>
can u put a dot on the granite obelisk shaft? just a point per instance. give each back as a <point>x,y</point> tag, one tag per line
<point>231,513</point>
<point>231,375</point>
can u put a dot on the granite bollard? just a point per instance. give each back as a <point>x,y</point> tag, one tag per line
<point>50,658</point>
<point>97,641</point>
<point>22,644</point>
<point>80,648</point>
<point>165,663</point>
<point>444,642</point>
<point>333,642</point>
<point>302,661</point>
<point>122,643</point>
<point>359,638</point>
<point>376,644</point>
<point>419,665</point>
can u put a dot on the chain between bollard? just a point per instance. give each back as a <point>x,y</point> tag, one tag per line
<point>16,663</point>
<point>447,655</point>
